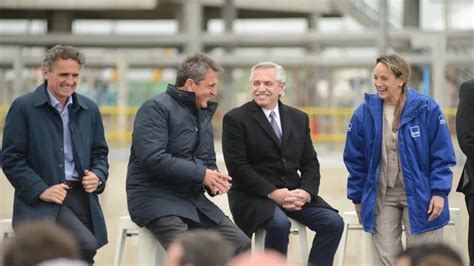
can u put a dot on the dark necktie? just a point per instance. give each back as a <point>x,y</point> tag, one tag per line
<point>275,125</point>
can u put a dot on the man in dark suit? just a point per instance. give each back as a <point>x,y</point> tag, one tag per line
<point>270,156</point>
<point>465,134</point>
<point>55,154</point>
<point>173,160</point>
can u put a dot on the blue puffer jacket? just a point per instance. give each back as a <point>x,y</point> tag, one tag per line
<point>426,155</point>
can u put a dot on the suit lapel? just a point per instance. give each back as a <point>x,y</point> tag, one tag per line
<point>263,122</point>
<point>285,120</point>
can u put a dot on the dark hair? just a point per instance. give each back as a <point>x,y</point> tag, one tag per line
<point>63,52</point>
<point>432,255</point>
<point>39,241</point>
<point>204,248</point>
<point>195,67</point>
<point>401,69</point>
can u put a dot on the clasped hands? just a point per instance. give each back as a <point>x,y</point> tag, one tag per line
<point>57,193</point>
<point>218,183</point>
<point>290,200</point>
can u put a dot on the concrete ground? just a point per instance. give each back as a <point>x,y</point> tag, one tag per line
<point>333,190</point>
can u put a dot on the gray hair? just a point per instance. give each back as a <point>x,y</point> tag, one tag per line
<point>280,71</point>
<point>63,52</point>
<point>195,67</point>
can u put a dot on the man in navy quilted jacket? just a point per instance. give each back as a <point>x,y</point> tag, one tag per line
<point>173,161</point>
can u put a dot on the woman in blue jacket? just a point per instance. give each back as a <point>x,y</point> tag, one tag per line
<point>398,154</point>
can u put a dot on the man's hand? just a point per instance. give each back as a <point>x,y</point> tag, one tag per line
<point>301,195</point>
<point>55,194</point>
<point>435,208</point>
<point>297,200</point>
<point>279,196</point>
<point>90,181</point>
<point>217,182</point>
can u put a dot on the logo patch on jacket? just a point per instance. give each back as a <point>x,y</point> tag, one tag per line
<point>442,121</point>
<point>415,131</point>
<point>349,127</point>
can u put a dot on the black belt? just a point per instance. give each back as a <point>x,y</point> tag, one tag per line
<point>73,184</point>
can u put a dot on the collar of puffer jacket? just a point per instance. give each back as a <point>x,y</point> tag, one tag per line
<point>188,98</point>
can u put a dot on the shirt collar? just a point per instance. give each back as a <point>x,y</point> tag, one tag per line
<point>55,103</point>
<point>268,111</point>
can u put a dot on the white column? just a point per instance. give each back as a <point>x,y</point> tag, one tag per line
<point>18,65</point>
<point>438,45</point>
<point>384,27</point>
<point>122,94</point>
<point>192,25</point>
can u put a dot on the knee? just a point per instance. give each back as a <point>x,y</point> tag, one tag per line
<point>244,244</point>
<point>88,248</point>
<point>279,225</point>
<point>336,224</point>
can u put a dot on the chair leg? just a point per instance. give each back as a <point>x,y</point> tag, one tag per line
<point>303,243</point>
<point>6,230</point>
<point>303,240</point>
<point>454,212</point>
<point>369,248</point>
<point>260,239</point>
<point>146,247</point>
<point>342,245</point>
<point>160,254</point>
<point>119,247</point>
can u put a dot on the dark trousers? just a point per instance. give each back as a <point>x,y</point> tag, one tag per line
<point>166,229</point>
<point>75,217</point>
<point>470,238</point>
<point>327,224</point>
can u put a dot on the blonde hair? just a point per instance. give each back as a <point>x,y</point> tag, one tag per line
<point>401,69</point>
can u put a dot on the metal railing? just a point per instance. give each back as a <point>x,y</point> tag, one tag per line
<point>328,125</point>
